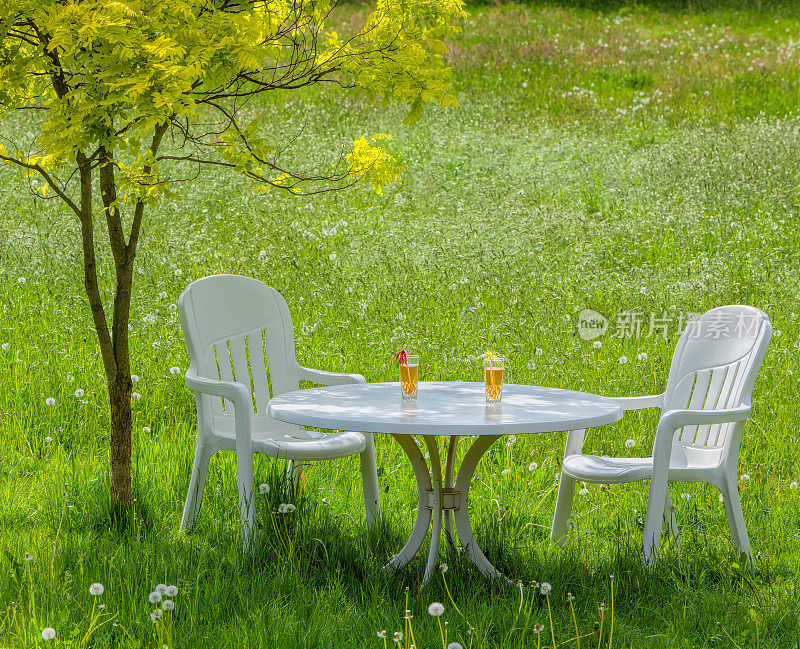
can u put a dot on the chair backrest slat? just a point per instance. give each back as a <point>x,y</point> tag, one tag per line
<point>714,367</point>
<point>258,364</point>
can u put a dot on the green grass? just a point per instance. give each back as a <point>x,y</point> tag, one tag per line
<point>565,180</point>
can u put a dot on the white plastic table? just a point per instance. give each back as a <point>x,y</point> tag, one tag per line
<point>447,409</point>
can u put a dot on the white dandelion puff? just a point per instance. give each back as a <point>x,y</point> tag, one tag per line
<point>48,439</point>
<point>623,360</point>
<point>533,466</point>
<point>134,378</point>
<point>436,609</point>
<point>630,443</point>
<point>21,280</point>
<point>642,356</point>
<point>792,485</point>
<point>174,370</point>
<point>136,396</point>
<point>597,344</point>
<point>79,393</point>
<point>5,347</point>
<point>455,645</point>
<point>167,605</point>
<point>178,272</point>
<point>161,588</point>
<point>49,633</point>
<point>96,589</point>
<point>154,597</point>
<point>381,634</point>
<point>545,588</point>
<point>146,430</point>
<point>50,401</point>
<point>263,488</point>
<point>171,591</point>
<point>583,492</point>
<point>286,508</point>
<point>745,477</point>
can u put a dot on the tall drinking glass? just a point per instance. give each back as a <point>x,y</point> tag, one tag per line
<point>409,376</point>
<point>493,379</point>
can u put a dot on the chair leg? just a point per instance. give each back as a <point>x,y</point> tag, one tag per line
<point>670,523</point>
<point>194,497</point>
<point>369,480</point>
<point>247,502</point>
<point>654,519</point>
<point>733,510</point>
<point>566,493</point>
<point>294,474</point>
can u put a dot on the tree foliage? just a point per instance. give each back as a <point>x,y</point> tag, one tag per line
<point>119,91</point>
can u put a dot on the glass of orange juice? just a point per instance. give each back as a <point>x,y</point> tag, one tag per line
<point>409,375</point>
<point>493,367</point>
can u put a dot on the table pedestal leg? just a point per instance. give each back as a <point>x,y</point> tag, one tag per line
<point>437,500</point>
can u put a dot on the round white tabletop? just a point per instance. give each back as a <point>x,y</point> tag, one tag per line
<point>443,408</point>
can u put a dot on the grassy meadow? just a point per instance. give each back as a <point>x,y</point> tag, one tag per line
<point>616,156</point>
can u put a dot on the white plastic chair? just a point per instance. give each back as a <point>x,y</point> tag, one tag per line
<point>241,349</point>
<point>703,413</point>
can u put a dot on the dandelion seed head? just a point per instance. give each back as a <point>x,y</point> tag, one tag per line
<point>146,429</point>
<point>436,609</point>
<point>167,605</point>
<point>49,633</point>
<point>154,597</point>
<point>597,344</point>
<point>5,346</point>
<point>455,645</point>
<point>381,634</point>
<point>545,588</point>
<point>533,466</point>
<point>286,508</point>
<point>50,401</point>
<point>48,439</point>
<point>96,589</point>
<point>136,396</point>
<point>792,485</point>
<point>161,588</point>
<point>630,443</point>
<point>642,356</point>
<point>263,488</point>
<point>623,360</point>
<point>171,591</point>
<point>174,370</point>
<point>443,567</point>
<point>745,477</point>
<point>134,378</point>
<point>79,393</point>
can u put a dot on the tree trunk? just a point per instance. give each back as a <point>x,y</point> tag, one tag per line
<point>119,392</point>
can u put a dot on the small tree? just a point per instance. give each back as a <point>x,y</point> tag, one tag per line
<point>122,91</point>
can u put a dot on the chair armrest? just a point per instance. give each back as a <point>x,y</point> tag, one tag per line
<point>328,378</point>
<point>236,393</point>
<point>679,418</point>
<point>639,403</point>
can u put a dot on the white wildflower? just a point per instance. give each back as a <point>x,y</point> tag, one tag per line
<point>455,645</point>
<point>161,588</point>
<point>381,634</point>
<point>583,492</point>
<point>642,356</point>
<point>545,588</point>
<point>443,567</point>
<point>154,597</point>
<point>171,591</point>
<point>96,589</point>
<point>511,439</point>
<point>174,370</point>
<point>21,280</point>
<point>792,485</point>
<point>745,477</point>
<point>167,605</point>
<point>50,401</point>
<point>48,439</point>
<point>398,636</point>
<point>134,378</point>
<point>49,633</point>
<point>263,488</point>
<point>79,393</point>
<point>286,508</point>
<point>630,443</point>
<point>533,466</point>
<point>597,344</point>
<point>146,430</point>
<point>178,272</point>
<point>5,346</point>
<point>436,609</point>
<point>623,360</point>
<point>136,396</point>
